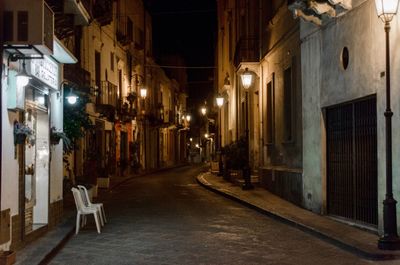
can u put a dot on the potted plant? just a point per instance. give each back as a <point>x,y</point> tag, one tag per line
<point>7,257</point>
<point>22,132</point>
<point>57,135</point>
<point>235,159</point>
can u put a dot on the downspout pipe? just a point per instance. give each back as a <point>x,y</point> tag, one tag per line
<point>1,93</point>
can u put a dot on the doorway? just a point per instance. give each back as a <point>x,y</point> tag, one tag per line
<point>352,161</point>
<point>36,162</point>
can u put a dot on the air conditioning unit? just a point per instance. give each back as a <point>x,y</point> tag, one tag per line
<point>28,23</point>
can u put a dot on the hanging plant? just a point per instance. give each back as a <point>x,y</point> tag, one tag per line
<point>56,136</point>
<point>22,134</point>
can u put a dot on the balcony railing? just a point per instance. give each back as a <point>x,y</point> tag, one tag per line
<point>124,30</point>
<point>107,94</point>
<point>65,17</point>
<point>63,23</point>
<point>246,51</point>
<point>102,12</point>
<point>78,75</point>
<point>88,4</point>
<point>126,111</point>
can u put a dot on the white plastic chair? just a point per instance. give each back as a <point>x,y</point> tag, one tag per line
<point>87,202</point>
<point>84,210</point>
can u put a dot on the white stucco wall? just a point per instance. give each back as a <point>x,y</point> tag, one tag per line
<point>311,81</point>
<point>56,163</point>
<point>9,169</point>
<point>326,83</point>
<point>9,172</point>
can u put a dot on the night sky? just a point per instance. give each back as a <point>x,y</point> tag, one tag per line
<point>187,27</point>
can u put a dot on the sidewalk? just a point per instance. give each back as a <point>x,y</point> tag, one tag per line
<point>44,248</point>
<point>355,240</point>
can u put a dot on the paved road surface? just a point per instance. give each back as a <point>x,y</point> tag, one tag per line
<point>167,218</point>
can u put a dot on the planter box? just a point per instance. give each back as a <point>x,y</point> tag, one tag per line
<point>103,183</point>
<point>90,193</point>
<point>236,176</point>
<point>7,257</point>
<point>93,191</point>
<point>214,165</point>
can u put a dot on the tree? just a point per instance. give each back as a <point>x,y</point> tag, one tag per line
<point>76,120</point>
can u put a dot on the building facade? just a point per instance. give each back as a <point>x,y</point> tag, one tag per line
<point>100,51</point>
<point>344,102</point>
<point>318,96</point>
<point>31,111</point>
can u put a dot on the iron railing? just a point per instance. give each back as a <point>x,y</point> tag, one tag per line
<point>246,51</point>
<point>107,94</point>
<point>102,12</point>
<point>77,75</point>
<point>124,30</point>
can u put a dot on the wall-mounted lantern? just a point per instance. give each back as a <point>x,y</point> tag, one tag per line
<point>71,97</point>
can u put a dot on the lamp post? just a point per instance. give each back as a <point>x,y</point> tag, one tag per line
<point>220,103</point>
<point>247,79</point>
<point>385,10</point>
<point>143,94</point>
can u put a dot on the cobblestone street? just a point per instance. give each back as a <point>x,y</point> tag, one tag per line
<point>167,218</point>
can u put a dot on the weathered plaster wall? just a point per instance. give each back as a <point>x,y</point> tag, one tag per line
<point>312,142</point>
<point>56,151</point>
<point>9,171</point>
<point>326,83</point>
<point>285,54</point>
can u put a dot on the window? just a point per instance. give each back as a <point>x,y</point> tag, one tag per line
<point>129,29</point>
<point>8,26</point>
<point>112,61</point>
<point>22,25</point>
<point>287,106</point>
<point>270,111</point>
<point>97,74</point>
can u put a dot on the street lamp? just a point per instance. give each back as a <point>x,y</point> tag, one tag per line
<point>203,111</point>
<point>247,79</point>
<point>22,76</point>
<point>188,117</point>
<point>143,92</point>
<point>71,97</point>
<point>143,95</point>
<point>220,103</point>
<point>385,10</point>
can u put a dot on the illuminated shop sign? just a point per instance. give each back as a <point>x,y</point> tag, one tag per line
<point>45,70</point>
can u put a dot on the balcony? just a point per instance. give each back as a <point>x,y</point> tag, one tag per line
<point>316,11</point>
<point>63,22</point>
<point>79,76</point>
<point>126,111</point>
<point>102,12</point>
<point>68,14</point>
<point>107,94</point>
<point>88,5</point>
<point>246,51</point>
<point>139,38</point>
<point>124,30</point>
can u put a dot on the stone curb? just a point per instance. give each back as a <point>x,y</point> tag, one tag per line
<point>53,252</point>
<point>306,228</point>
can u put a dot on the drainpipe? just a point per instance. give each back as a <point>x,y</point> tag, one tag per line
<point>1,93</point>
